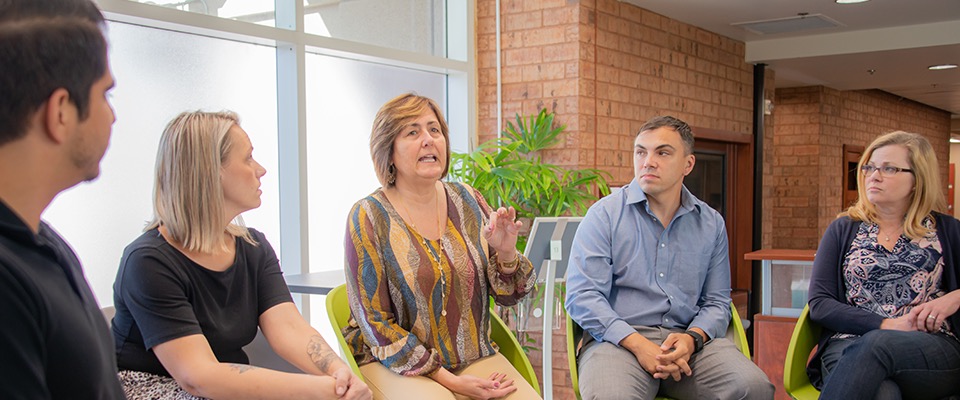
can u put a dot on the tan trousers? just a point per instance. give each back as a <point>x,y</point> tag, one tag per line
<point>387,385</point>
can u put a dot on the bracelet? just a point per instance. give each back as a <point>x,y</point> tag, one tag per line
<point>510,265</point>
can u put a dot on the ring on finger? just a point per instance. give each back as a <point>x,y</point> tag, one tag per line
<point>932,317</point>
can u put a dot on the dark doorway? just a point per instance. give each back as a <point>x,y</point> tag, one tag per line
<point>708,180</point>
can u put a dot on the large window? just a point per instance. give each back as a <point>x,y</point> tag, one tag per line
<point>419,26</point>
<point>307,100</point>
<point>160,73</point>
<point>343,97</point>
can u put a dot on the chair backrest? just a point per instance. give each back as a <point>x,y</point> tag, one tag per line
<point>574,335</point>
<point>805,336</point>
<point>338,310</point>
<point>735,332</point>
<point>511,349</point>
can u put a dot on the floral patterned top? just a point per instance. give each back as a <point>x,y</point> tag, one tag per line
<point>891,282</point>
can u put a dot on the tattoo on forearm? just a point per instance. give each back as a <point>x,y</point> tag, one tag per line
<point>241,368</point>
<point>321,354</point>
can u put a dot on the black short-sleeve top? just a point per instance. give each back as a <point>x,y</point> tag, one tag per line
<point>161,295</point>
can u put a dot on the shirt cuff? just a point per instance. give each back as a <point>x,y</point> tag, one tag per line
<point>711,330</point>
<point>617,331</point>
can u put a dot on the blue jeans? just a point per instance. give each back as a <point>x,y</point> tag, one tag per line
<point>885,364</point>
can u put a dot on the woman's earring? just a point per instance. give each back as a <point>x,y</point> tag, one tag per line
<point>391,175</point>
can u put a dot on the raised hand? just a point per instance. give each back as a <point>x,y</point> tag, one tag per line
<point>501,233</point>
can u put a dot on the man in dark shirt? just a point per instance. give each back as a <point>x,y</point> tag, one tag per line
<point>55,123</point>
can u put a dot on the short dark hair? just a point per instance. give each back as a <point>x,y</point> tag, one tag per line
<point>686,134</point>
<point>46,45</point>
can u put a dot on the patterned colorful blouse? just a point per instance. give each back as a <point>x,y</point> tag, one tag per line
<point>419,304</point>
<point>891,282</point>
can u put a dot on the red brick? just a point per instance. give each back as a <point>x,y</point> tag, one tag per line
<point>522,56</point>
<point>526,20</point>
<point>560,52</point>
<point>542,36</point>
<point>560,16</point>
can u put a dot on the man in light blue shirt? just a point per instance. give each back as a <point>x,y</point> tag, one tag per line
<point>649,281</point>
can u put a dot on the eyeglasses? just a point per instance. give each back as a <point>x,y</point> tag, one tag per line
<point>886,170</point>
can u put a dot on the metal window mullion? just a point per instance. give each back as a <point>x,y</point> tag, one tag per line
<point>292,145</point>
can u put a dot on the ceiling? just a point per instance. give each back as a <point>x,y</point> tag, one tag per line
<point>879,44</point>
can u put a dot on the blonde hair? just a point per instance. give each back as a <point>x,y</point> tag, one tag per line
<point>391,120</point>
<point>927,195</point>
<point>187,194</point>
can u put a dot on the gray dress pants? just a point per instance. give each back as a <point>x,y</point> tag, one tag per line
<point>720,371</point>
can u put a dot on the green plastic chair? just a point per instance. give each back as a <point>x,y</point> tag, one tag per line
<point>511,349</point>
<point>806,334</point>
<point>338,309</point>
<point>735,331</point>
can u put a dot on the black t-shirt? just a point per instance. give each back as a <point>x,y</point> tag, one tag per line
<point>161,295</point>
<point>54,342</point>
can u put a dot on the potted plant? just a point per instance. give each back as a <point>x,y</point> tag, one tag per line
<point>510,171</point>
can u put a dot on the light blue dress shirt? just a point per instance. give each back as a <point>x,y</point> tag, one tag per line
<point>627,270</point>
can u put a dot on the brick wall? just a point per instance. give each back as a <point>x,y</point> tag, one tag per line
<point>811,126</point>
<point>605,67</point>
<point>540,64</point>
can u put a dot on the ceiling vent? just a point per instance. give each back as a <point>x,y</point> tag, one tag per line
<point>789,24</point>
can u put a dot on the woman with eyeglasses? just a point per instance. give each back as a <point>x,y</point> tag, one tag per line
<point>885,279</point>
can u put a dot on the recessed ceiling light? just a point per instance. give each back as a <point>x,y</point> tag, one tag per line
<point>941,66</point>
<point>851,1</point>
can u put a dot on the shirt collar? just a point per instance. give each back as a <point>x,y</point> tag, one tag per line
<point>14,228</point>
<point>688,202</point>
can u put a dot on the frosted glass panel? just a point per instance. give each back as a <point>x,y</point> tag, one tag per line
<point>160,74</point>
<point>256,11</point>
<point>343,97</point>
<point>410,25</point>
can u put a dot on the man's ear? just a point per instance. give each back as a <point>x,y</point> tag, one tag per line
<point>688,167</point>
<point>59,114</point>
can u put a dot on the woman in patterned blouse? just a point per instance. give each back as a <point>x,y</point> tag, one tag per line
<point>885,279</point>
<point>423,258</point>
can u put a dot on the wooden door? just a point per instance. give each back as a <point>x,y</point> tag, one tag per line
<point>723,178</point>
<point>851,157</point>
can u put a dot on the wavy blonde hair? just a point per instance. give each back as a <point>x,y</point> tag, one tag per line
<point>927,195</point>
<point>187,194</point>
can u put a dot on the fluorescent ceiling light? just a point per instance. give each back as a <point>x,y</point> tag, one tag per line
<point>941,66</point>
<point>954,140</point>
<point>851,1</point>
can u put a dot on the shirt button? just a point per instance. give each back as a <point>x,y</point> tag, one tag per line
<point>671,297</point>
<point>666,319</point>
<point>663,245</point>
<point>661,274</point>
